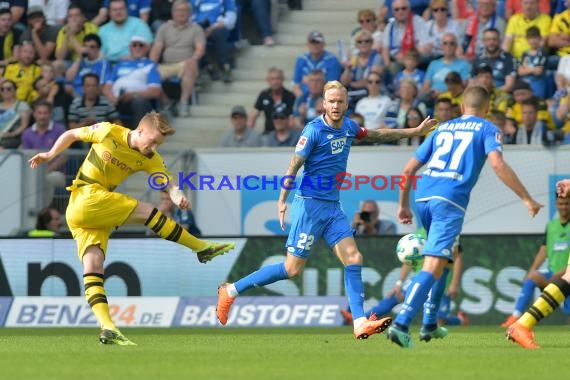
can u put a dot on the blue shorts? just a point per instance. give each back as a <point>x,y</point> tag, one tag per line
<point>566,304</point>
<point>312,219</point>
<point>443,222</point>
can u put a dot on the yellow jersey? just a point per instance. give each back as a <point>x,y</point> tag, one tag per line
<point>514,112</point>
<point>24,77</point>
<point>111,160</point>
<point>88,28</point>
<point>517,27</point>
<point>561,24</point>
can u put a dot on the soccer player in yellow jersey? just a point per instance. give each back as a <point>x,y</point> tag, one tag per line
<point>94,209</point>
<point>552,296</point>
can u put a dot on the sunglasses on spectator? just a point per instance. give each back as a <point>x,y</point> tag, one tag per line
<point>439,10</point>
<point>365,21</point>
<point>137,44</point>
<point>448,43</point>
<point>364,41</point>
<point>279,117</point>
<point>315,42</point>
<point>400,9</point>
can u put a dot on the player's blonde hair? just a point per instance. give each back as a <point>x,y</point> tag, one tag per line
<point>159,122</point>
<point>334,85</point>
<point>476,97</point>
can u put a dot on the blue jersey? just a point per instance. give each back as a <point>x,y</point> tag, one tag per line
<point>454,155</point>
<point>134,7</point>
<point>211,10</point>
<point>137,71</point>
<point>101,67</point>
<point>325,150</point>
<point>328,63</point>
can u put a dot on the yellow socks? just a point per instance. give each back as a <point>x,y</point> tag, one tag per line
<point>97,299</point>
<point>168,229</point>
<point>552,296</point>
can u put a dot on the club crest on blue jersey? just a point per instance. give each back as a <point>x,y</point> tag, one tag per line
<point>337,145</point>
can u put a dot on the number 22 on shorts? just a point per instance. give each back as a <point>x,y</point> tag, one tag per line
<point>305,241</point>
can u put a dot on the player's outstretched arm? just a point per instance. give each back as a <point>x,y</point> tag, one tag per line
<point>510,178</point>
<point>404,213</point>
<point>296,162</point>
<point>563,188</point>
<point>387,134</point>
<point>61,144</point>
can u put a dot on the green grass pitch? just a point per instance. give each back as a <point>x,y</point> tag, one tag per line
<point>479,353</point>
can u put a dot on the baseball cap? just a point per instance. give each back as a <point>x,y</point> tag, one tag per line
<point>438,4</point>
<point>139,39</point>
<point>35,10</point>
<point>238,110</point>
<point>315,36</point>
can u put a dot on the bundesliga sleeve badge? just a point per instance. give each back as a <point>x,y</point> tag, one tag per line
<point>301,144</point>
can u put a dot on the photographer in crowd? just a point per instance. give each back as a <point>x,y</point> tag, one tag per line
<point>367,221</point>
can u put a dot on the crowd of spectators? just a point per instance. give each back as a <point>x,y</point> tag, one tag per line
<point>116,59</point>
<point>413,58</point>
<point>72,63</point>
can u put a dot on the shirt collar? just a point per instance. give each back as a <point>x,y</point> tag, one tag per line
<point>49,128</point>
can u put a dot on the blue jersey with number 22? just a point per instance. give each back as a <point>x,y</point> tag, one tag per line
<point>454,155</point>
<point>325,150</point>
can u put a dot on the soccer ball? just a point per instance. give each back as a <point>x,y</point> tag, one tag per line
<point>410,249</point>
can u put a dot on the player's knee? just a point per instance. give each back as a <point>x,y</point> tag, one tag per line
<point>293,270</point>
<point>143,211</point>
<point>353,258</point>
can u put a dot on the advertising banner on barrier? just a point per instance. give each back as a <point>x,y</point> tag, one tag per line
<point>263,312</point>
<point>5,303</point>
<point>75,312</point>
<point>133,267</point>
<point>249,208</point>
<point>493,269</point>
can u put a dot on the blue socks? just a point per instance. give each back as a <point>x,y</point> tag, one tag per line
<point>452,321</point>
<point>263,276</point>
<point>354,289</point>
<point>415,296</point>
<point>384,307</point>
<point>431,306</point>
<point>525,296</point>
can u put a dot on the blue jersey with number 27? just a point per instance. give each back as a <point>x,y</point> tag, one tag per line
<point>454,155</point>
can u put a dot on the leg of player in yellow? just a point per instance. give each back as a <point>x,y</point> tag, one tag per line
<point>91,214</point>
<point>552,296</point>
<point>168,229</point>
<point>93,280</point>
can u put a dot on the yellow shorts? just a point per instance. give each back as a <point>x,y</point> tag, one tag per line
<point>93,212</point>
<point>168,70</point>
